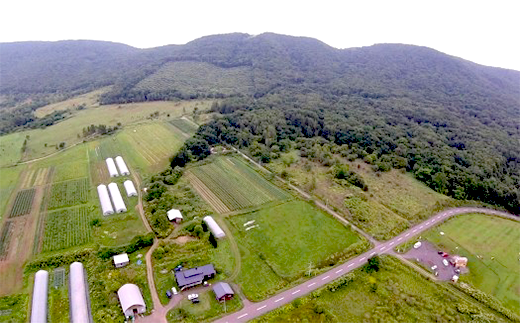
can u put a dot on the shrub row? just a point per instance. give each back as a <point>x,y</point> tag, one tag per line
<point>138,242</point>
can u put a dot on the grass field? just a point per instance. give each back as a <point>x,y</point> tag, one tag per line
<point>90,99</point>
<point>13,308</point>
<point>11,148</point>
<point>288,239</point>
<point>67,228</point>
<point>184,125</point>
<point>69,164</point>
<point>69,193</point>
<point>228,184</point>
<point>395,293</point>
<point>195,252</point>
<point>10,177</point>
<point>194,77</point>
<point>22,203</point>
<point>486,237</point>
<point>208,309</point>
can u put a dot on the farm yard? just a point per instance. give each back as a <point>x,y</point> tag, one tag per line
<point>228,184</point>
<point>67,228</point>
<point>22,203</point>
<point>489,244</point>
<point>299,236</point>
<point>69,193</point>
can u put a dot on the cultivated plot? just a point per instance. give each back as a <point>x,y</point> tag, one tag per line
<point>186,126</point>
<point>491,245</point>
<point>22,203</point>
<point>66,228</point>
<point>5,239</point>
<point>228,184</point>
<point>69,193</point>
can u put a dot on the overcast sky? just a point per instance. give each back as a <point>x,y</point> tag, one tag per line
<point>486,32</point>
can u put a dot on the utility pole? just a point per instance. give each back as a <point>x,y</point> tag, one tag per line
<point>310,268</point>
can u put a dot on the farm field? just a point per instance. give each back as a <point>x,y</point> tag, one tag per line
<point>11,148</point>
<point>5,239</point>
<point>43,142</point>
<point>22,203</point>
<point>10,177</point>
<point>395,293</point>
<point>191,253</point>
<point>89,100</point>
<point>67,228</point>
<point>184,125</point>
<point>493,256</point>
<point>288,238</point>
<point>228,184</point>
<point>393,202</point>
<point>69,193</point>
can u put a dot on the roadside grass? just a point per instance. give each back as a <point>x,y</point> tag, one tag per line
<point>491,246</point>
<point>90,99</point>
<point>395,293</point>
<point>289,239</point>
<point>10,177</point>
<point>190,254</point>
<point>208,309</point>
<point>43,142</point>
<point>11,148</point>
<point>393,202</point>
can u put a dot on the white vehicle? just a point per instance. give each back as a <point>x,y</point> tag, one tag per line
<point>417,245</point>
<point>192,296</point>
<point>445,262</point>
<point>174,291</point>
<point>434,267</point>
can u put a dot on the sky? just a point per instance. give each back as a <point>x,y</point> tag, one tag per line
<point>485,32</point>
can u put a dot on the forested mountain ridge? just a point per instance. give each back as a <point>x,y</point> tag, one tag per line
<point>454,124</point>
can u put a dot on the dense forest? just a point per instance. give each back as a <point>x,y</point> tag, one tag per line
<point>454,124</point>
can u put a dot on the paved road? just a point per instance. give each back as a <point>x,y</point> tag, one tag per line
<point>253,310</point>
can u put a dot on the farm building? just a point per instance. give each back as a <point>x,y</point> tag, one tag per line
<point>117,199</point>
<point>122,166</point>
<point>131,300</point>
<point>214,227</point>
<point>223,291</point>
<point>104,199</point>
<point>130,188</point>
<point>194,276</point>
<point>112,170</point>
<point>39,297</point>
<point>121,260</point>
<point>78,294</point>
<point>175,215</point>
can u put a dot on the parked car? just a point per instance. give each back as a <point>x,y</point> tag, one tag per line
<point>457,271</point>
<point>445,262</point>
<point>434,267</point>
<point>193,296</point>
<point>417,245</point>
<point>169,294</point>
<point>195,301</point>
<point>178,268</point>
<point>174,291</point>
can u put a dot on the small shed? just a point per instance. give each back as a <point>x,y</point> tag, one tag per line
<point>174,215</point>
<point>131,300</point>
<point>223,291</point>
<point>121,260</point>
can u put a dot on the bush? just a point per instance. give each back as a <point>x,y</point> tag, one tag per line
<point>138,242</point>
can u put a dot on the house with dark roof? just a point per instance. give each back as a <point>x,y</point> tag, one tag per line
<point>223,291</point>
<point>194,276</point>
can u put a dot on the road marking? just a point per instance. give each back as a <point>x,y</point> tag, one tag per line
<point>338,271</point>
<point>406,235</point>
<point>295,292</point>
<point>373,253</point>
<point>414,231</point>
<point>391,243</point>
<point>243,315</point>
<point>261,307</point>
<point>362,259</point>
<point>350,265</point>
<point>421,226</point>
<point>279,300</point>
<point>325,277</point>
<point>311,284</point>
<point>399,239</point>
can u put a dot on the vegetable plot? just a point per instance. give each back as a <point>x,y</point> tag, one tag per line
<point>22,203</point>
<point>67,228</point>
<point>69,193</point>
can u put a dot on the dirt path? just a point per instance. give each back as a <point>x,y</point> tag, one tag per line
<point>139,205</point>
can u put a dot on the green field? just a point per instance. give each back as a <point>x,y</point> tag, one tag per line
<point>10,177</point>
<point>185,126</point>
<point>22,203</point>
<point>234,184</point>
<point>69,193</point>
<point>89,100</point>
<point>395,293</point>
<point>11,148</point>
<point>69,164</point>
<point>13,308</point>
<point>289,238</point>
<point>486,237</point>
<point>67,228</point>
<point>208,309</point>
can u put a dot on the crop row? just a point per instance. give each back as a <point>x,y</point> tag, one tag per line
<point>5,238</point>
<point>184,126</point>
<point>22,203</point>
<point>235,188</point>
<point>67,228</point>
<point>69,193</point>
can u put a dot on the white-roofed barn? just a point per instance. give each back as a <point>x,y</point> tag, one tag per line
<point>117,199</point>
<point>39,297</point>
<point>122,166</point>
<point>112,170</point>
<point>104,199</point>
<point>78,294</point>
<point>131,300</point>
<point>130,188</point>
<point>214,227</point>
<point>175,215</point>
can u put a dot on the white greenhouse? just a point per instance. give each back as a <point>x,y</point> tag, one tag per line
<point>214,227</point>
<point>122,166</point>
<point>117,199</point>
<point>78,294</point>
<point>131,300</point>
<point>112,170</point>
<point>130,188</point>
<point>104,199</point>
<point>39,297</point>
